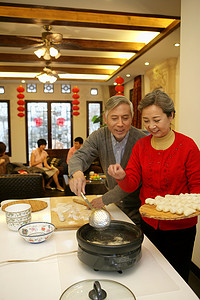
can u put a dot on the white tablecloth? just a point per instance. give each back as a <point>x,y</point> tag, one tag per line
<point>152,278</point>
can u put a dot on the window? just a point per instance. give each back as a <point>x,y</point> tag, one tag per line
<point>93,109</point>
<point>65,88</point>
<point>48,88</point>
<point>5,124</point>
<point>94,92</point>
<point>31,88</point>
<point>2,90</point>
<point>50,120</point>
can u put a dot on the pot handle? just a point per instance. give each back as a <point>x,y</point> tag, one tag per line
<point>97,293</point>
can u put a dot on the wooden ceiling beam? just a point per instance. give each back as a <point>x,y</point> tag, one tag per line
<point>37,15</point>
<point>32,69</point>
<point>26,58</point>
<point>74,44</point>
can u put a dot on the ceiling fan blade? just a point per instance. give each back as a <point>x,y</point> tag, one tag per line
<point>54,37</point>
<point>30,38</point>
<point>70,46</point>
<point>33,46</point>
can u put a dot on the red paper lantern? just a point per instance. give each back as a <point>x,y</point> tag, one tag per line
<point>75,102</point>
<point>75,113</point>
<point>75,107</point>
<point>119,80</point>
<point>119,88</point>
<point>21,108</point>
<point>20,89</point>
<point>38,122</point>
<point>21,102</point>
<point>21,114</point>
<point>75,89</point>
<point>20,96</point>
<point>75,96</point>
<point>60,122</point>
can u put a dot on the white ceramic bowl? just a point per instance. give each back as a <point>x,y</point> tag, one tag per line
<point>36,232</point>
<point>18,215</point>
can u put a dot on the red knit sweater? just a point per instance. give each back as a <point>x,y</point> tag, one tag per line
<point>172,171</point>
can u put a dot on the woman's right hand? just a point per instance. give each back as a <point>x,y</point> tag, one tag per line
<point>116,171</point>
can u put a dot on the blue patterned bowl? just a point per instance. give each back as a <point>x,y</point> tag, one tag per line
<point>36,232</point>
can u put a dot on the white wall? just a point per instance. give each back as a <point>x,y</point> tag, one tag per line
<point>190,82</point>
<point>18,136</point>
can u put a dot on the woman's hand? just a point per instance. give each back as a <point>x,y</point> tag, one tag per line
<point>116,171</point>
<point>97,202</point>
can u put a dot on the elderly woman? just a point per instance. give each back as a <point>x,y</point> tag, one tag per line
<point>167,162</point>
<point>39,159</point>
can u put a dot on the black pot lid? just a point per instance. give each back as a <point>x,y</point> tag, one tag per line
<point>109,289</point>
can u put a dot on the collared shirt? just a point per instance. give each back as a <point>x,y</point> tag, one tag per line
<point>118,147</point>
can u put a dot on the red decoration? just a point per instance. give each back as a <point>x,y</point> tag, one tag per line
<point>38,122</point>
<point>119,87</point>
<point>75,102</point>
<point>75,96</point>
<point>21,108</point>
<point>20,102</point>
<point>60,122</point>
<point>21,114</point>
<point>75,90</point>
<point>75,113</point>
<point>20,89</point>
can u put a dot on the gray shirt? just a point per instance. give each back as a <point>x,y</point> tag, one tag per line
<point>99,144</point>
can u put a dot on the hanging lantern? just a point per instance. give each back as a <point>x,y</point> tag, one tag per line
<point>20,102</point>
<point>38,122</point>
<point>60,122</point>
<point>119,87</point>
<point>75,102</point>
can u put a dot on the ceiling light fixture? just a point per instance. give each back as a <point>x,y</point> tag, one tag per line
<point>47,52</point>
<point>46,78</point>
<point>146,63</point>
<point>128,75</point>
<point>177,44</point>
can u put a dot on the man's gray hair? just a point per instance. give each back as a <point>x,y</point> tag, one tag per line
<point>115,101</point>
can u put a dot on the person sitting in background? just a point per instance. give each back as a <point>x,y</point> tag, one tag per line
<point>39,159</point>
<point>167,162</point>
<point>4,159</point>
<point>111,144</point>
<point>78,142</point>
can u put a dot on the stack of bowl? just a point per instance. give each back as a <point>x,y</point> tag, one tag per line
<point>18,215</point>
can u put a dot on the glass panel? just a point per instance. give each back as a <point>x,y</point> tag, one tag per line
<point>94,92</point>
<point>48,88</point>
<point>31,88</point>
<point>94,109</point>
<point>4,132</point>
<point>65,88</point>
<point>61,125</point>
<point>2,90</point>
<point>37,124</point>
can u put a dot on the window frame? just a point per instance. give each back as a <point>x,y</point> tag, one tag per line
<point>87,111</point>
<point>9,126</point>
<point>49,121</point>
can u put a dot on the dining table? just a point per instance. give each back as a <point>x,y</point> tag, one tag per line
<point>45,270</point>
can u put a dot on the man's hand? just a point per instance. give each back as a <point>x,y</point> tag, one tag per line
<point>97,202</point>
<point>77,183</point>
<point>116,171</point>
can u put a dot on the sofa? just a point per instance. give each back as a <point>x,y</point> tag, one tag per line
<point>21,186</point>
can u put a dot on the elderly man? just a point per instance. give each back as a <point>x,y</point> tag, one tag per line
<point>112,144</point>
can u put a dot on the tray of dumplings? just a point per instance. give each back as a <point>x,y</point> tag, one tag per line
<point>171,207</point>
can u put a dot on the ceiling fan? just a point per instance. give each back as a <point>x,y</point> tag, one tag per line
<point>48,75</point>
<point>48,44</point>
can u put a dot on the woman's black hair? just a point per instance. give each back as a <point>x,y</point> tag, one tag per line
<point>41,142</point>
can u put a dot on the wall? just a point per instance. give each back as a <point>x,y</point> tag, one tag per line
<point>18,138</point>
<point>189,82</point>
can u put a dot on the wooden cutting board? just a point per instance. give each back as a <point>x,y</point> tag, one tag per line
<point>149,211</point>
<point>36,205</point>
<point>70,222</point>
